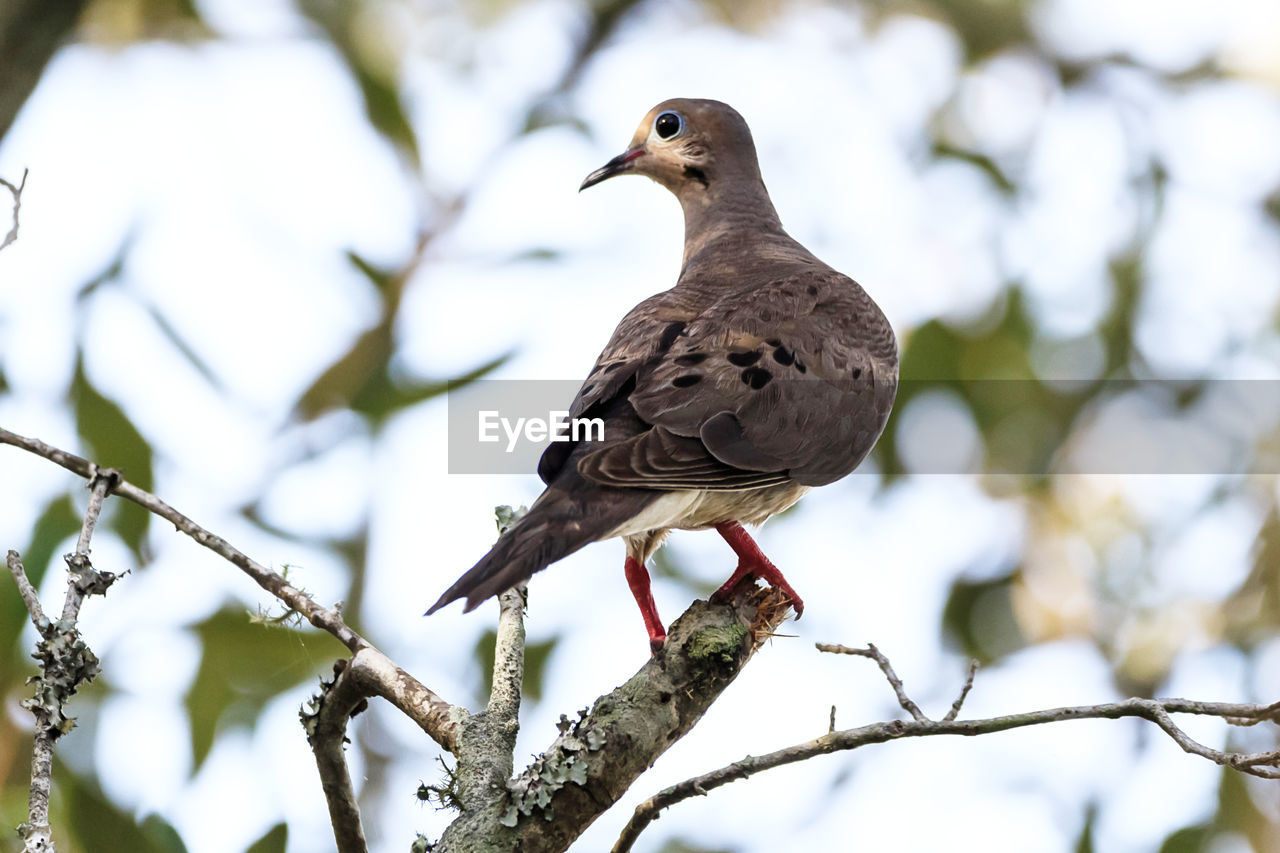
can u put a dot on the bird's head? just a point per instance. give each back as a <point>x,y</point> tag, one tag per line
<point>687,145</point>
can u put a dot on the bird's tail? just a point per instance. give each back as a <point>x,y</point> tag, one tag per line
<point>557,524</point>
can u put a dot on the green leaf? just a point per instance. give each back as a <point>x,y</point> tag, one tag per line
<point>946,150</point>
<point>383,279</point>
<point>979,620</point>
<point>363,365</point>
<point>1191,839</point>
<point>162,834</point>
<point>109,274</point>
<point>274,841</point>
<point>180,344</point>
<point>1084,844</point>
<point>370,58</point>
<point>1117,327</point>
<point>102,826</point>
<point>985,26</point>
<point>114,442</point>
<point>243,666</point>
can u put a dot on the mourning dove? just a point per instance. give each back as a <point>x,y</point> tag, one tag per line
<point>761,374</point>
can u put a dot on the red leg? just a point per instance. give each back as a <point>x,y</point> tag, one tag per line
<point>752,563</point>
<point>638,580</point>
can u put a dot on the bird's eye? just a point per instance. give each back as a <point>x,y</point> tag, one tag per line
<point>667,125</point>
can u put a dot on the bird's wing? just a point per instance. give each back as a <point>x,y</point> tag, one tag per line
<point>791,380</point>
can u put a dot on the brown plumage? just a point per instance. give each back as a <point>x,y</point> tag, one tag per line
<point>761,374</point>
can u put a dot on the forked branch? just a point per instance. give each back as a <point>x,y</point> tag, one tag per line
<point>1159,711</point>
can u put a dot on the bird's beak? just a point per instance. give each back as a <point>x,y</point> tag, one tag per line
<point>617,166</point>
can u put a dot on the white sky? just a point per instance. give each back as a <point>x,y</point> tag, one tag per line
<point>244,169</point>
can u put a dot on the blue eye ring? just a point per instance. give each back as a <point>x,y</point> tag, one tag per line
<point>668,125</point>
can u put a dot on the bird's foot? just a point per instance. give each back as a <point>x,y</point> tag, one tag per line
<point>752,564</point>
<point>747,573</point>
<point>638,580</point>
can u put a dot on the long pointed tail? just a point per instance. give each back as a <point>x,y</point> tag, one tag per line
<point>556,525</point>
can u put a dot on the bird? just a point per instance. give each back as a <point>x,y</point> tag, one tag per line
<point>761,374</point>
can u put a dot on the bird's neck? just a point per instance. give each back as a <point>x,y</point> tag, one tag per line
<point>728,219</point>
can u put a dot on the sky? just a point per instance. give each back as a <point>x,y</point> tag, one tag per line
<point>243,170</point>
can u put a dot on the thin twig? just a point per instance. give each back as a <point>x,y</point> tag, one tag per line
<point>82,580</point>
<point>381,677</point>
<point>65,660</point>
<point>16,192</point>
<point>876,655</point>
<point>29,595</point>
<point>1154,710</point>
<point>964,692</point>
<point>321,617</point>
<point>338,701</point>
<point>37,835</point>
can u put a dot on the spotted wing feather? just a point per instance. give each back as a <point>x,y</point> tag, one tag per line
<point>792,380</point>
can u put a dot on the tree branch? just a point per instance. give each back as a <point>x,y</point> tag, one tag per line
<point>376,673</point>
<point>321,617</point>
<point>598,755</point>
<point>1265,764</point>
<point>894,681</point>
<point>16,192</point>
<point>65,660</point>
<point>29,595</point>
<point>326,727</point>
<point>486,747</point>
<point>31,31</point>
<point>368,673</point>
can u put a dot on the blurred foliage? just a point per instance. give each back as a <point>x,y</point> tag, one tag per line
<point>113,441</point>
<point>243,667</point>
<point>275,841</point>
<point>1023,424</point>
<point>536,656</point>
<point>979,619</point>
<point>362,379</point>
<point>100,825</point>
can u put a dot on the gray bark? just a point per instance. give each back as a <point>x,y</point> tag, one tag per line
<point>598,756</point>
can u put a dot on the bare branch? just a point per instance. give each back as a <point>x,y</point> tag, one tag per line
<point>508,660</point>
<point>16,192</point>
<point>66,662</point>
<point>602,752</point>
<point>1265,765</point>
<point>486,746</point>
<point>37,835</point>
<point>326,726</point>
<point>323,618</point>
<point>375,672</point>
<point>82,578</point>
<point>368,673</point>
<point>964,691</point>
<point>29,595</point>
<point>896,683</point>
<point>376,675</point>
